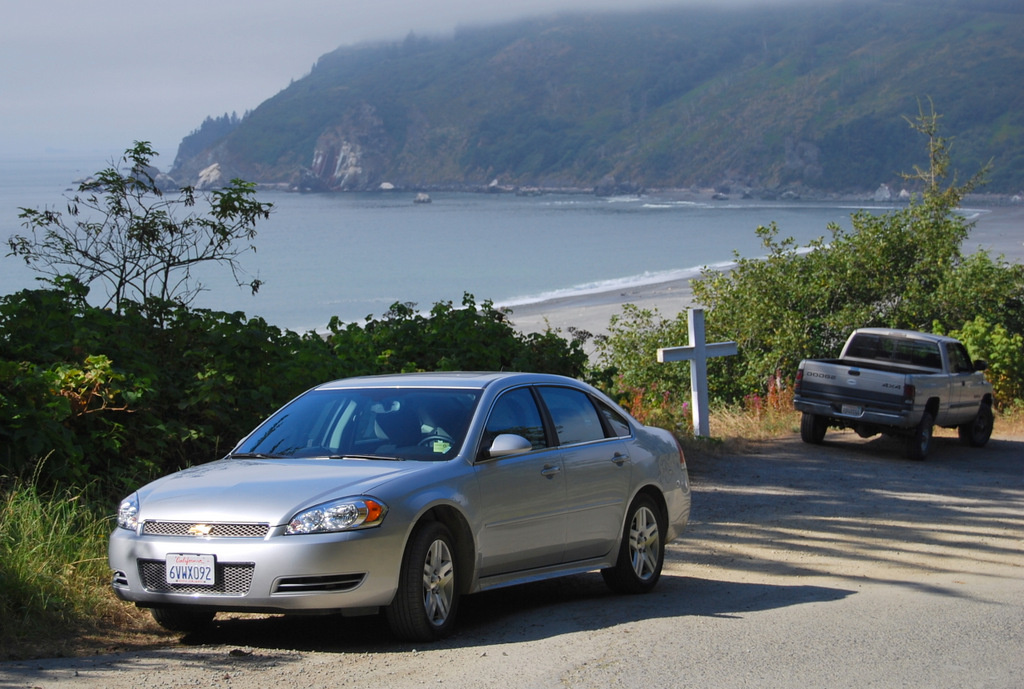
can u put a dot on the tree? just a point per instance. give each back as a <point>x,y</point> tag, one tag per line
<point>901,269</point>
<point>472,338</point>
<point>121,231</point>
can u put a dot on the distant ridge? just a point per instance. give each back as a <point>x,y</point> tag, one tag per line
<point>764,100</point>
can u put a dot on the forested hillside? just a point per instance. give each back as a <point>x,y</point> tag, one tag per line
<point>803,95</point>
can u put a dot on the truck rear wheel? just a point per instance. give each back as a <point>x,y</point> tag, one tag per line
<point>812,428</point>
<point>920,440</point>
<point>977,432</point>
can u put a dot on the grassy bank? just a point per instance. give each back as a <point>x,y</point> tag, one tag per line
<point>55,597</point>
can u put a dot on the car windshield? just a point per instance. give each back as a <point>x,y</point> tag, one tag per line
<point>415,423</point>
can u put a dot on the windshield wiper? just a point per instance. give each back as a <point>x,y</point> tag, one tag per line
<point>254,455</point>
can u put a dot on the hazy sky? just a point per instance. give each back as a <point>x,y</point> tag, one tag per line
<point>94,76</point>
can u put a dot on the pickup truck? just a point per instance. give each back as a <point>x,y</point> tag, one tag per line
<point>896,382</point>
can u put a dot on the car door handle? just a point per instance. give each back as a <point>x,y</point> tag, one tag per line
<point>550,471</point>
<point>620,459</point>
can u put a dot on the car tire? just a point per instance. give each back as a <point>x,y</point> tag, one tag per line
<point>425,605</point>
<point>812,428</point>
<point>977,431</point>
<point>920,440</point>
<point>642,550</point>
<point>183,619</point>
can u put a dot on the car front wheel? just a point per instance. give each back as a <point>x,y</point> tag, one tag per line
<point>428,597</point>
<point>642,551</point>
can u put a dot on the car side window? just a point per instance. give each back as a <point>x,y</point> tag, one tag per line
<point>574,415</point>
<point>618,425</point>
<point>516,412</point>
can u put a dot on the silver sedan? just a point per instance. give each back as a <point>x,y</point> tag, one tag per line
<point>402,494</point>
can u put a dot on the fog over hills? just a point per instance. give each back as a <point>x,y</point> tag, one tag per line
<point>767,99</point>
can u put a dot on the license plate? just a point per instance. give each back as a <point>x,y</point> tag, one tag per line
<point>851,410</point>
<point>195,570</point>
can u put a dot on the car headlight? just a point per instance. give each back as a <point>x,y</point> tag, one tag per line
<point>128,513</point>
<point>346,514</point>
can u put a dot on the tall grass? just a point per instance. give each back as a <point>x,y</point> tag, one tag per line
<point>53,570</point>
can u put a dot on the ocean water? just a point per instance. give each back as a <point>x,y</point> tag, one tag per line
<point>353,255</point>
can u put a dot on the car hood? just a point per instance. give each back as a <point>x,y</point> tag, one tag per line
<point>271,490</point>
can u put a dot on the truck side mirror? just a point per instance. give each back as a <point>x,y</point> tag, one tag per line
<point>980,365</point>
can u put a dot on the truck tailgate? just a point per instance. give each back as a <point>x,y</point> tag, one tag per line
<point>851,389</point>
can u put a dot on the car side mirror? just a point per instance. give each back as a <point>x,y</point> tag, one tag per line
<point>508,444</point>
<point>980,365</point>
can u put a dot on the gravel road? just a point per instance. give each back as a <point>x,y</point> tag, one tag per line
<point>835,566</point>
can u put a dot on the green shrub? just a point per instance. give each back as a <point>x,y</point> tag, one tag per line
<point>1004,353</point>
<point>121,398</point>
<point>471,338</point>
<point>900,269</point>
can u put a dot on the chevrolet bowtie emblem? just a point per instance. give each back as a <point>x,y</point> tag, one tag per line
<point>200,530</point>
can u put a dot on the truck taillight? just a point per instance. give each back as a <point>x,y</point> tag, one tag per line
<point>799,380</point>
<point>909,393</point>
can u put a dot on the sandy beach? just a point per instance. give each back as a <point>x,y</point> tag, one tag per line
<point>593,312</point>
<point>999,230</point>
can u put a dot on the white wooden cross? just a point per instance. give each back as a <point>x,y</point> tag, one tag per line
<point>697,353</point>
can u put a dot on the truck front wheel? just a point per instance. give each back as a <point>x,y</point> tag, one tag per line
<point>812,428</point>
<point>920,440</point>
<point>977,432</point>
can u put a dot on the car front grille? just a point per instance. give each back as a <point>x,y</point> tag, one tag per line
<point>207,530</point>
<point>232,579</point>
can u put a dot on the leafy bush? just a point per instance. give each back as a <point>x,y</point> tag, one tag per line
<point>470,338</point>
<point>629,371</point>
<point>901,269</point>
<point>1004,353</point>
<point>120,398</point>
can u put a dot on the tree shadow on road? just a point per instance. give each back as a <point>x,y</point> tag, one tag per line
<point>854,507</point>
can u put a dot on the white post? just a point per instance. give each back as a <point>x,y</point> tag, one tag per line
<point>697,353</point>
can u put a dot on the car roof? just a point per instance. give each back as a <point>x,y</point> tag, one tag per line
<point>472,380</point>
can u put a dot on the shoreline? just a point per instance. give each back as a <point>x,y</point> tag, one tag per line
<point>999,230</point>
<point>593,311</point>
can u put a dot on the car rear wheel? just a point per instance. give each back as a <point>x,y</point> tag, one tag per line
<point>812,428</point>
<point>642,551</point>
<point>977,432</point>
<point>428,596</point>
<point>920,440</point>
<point>183,619</point>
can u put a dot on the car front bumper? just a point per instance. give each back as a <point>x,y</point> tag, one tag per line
<point>277,573</point>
